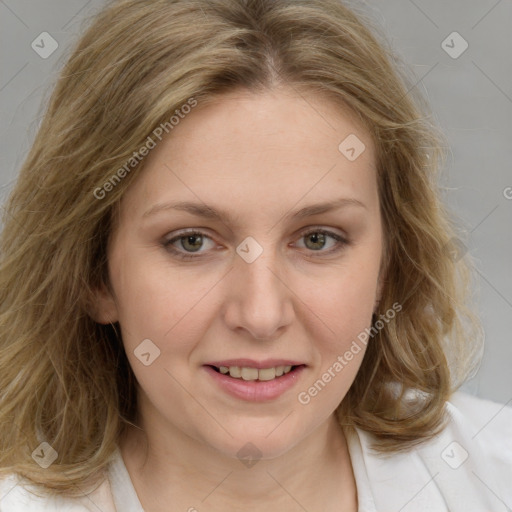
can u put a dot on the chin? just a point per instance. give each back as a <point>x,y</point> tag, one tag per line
<point>252,444</point>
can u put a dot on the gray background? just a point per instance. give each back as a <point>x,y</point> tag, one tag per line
<point>471,97</point>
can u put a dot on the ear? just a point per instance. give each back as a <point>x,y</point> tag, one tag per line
<point>103,307</point>
<point>378,293</point>
<point>383,273</point>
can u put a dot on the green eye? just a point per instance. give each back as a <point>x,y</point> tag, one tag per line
<point>191,242</point>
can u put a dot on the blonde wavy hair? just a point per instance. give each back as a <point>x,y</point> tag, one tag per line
<point>64,378</point>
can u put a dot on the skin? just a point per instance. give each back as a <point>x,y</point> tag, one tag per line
<point>259,157</point>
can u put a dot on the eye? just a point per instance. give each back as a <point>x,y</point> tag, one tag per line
<point>189,241</point>
<point>186,245</point>
<point>316,239</point>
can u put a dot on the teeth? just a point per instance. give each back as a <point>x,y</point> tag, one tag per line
<point>246,373</point>
<point>267,374</point>
<point>235,371</point>
<point>249,373</point>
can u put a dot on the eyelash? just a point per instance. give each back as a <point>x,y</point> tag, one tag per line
<point>167,244</point>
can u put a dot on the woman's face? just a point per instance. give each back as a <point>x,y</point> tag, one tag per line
<point>226,255</point>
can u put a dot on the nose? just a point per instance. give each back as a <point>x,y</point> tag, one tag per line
<point>259,300</point>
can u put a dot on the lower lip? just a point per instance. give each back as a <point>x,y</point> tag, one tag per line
<point>256,390</point>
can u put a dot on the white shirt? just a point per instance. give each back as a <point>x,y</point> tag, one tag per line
<point>467,468</point>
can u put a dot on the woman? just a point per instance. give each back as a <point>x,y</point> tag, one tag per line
<point>227,278</point>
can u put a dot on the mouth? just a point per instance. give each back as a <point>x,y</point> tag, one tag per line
<point>255,381</point>
<point>249,373</point>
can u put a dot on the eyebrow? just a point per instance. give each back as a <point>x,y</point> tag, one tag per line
<point>205,211</point>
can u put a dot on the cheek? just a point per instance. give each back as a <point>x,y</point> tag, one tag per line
<point>163,316</point>
<point>340,340</point>
<point>154,300</point>
<point>346,303</point>
<point>158,302</point>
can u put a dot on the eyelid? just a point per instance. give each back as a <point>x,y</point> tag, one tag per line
<point>167,242</point>
<point>342,241</point>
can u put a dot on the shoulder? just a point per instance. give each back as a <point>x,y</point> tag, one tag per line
<point>475,451</point>
<point>487,416</point>
<point>18,495</point>
<point>467,467</point>
<point>485,429</point>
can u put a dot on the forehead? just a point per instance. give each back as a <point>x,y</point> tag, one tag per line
<point>252,152</point>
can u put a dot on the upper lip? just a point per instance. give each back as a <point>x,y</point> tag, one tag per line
<point>251,363</point>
